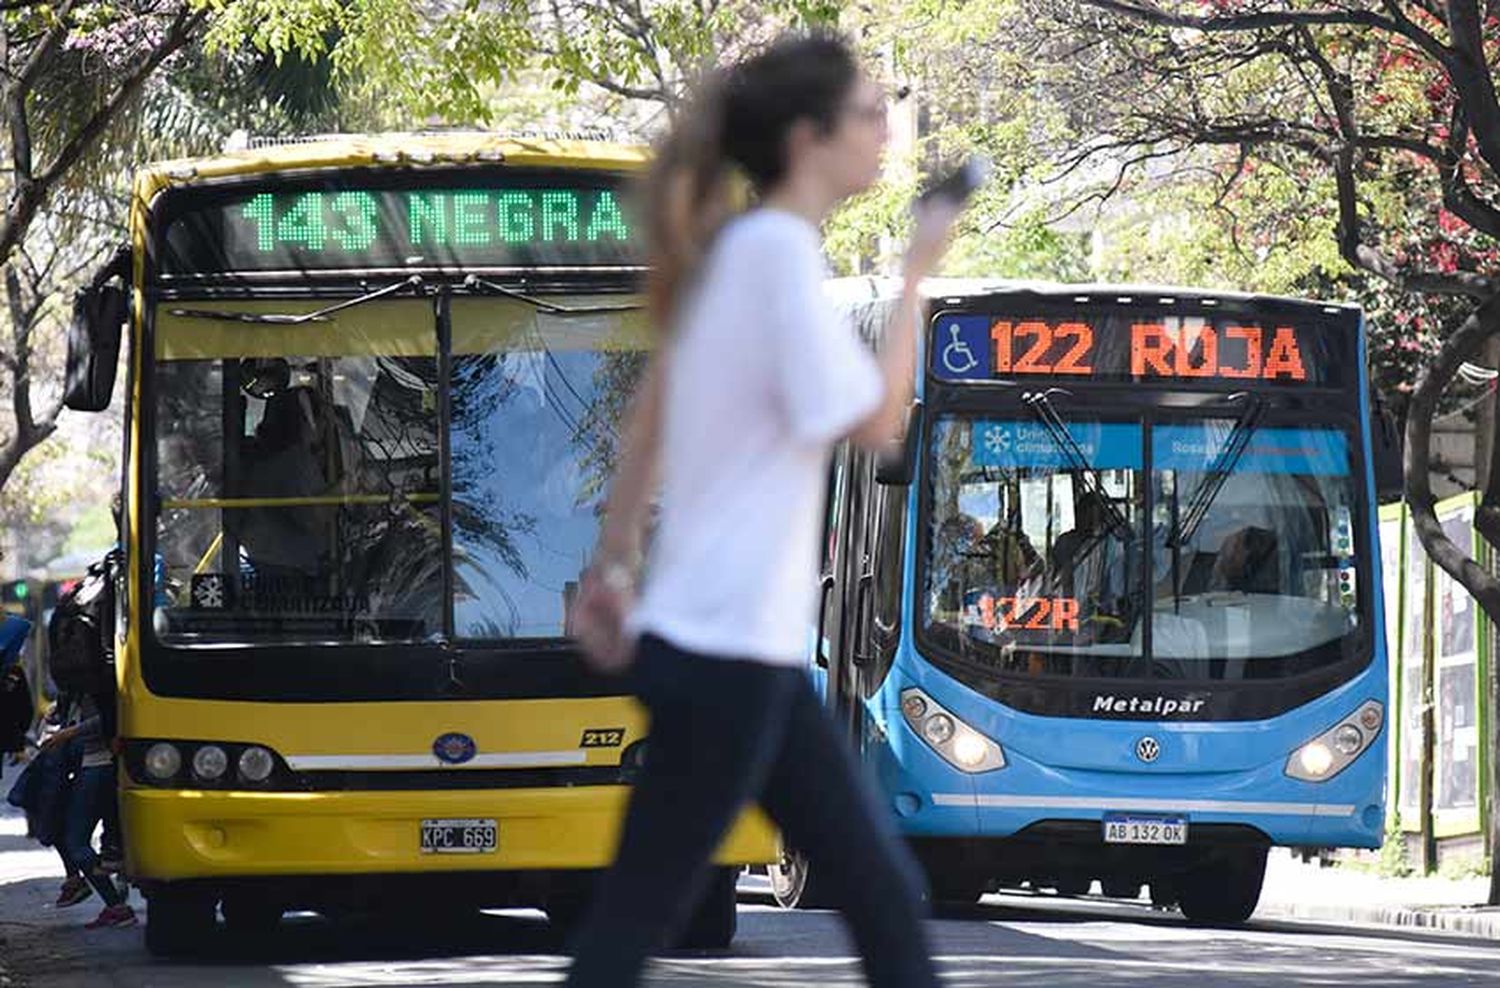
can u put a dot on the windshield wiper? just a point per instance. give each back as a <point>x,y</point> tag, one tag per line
<point>475,283</point>
<point>297,319</point>
<point>1039,403</point>
<point>1186,525</point>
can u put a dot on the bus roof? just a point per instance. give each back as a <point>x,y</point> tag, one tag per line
<point>851,291</point>
<point>332,151</point>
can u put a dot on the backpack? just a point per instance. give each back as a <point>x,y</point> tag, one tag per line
<point>80,652</point>
<point>16,711</point>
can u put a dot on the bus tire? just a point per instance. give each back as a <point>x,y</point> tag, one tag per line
<point>1224,890</point>
<point>179,921</point>
<point>793,882</point>
<point>717,916</point>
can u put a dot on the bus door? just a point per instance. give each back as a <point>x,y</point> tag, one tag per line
<point>829,639</point>
<point>854,589</point>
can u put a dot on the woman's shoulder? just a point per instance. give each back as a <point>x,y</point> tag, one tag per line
<point>767,230</point>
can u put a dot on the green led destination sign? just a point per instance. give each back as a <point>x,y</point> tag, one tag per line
<point>545,223</point>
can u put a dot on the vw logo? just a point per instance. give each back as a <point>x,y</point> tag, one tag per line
<point>1148,749</point>
<point>454,748</point>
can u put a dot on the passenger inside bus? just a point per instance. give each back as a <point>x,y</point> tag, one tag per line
<point>281,460</point>
<point>1248,561</point>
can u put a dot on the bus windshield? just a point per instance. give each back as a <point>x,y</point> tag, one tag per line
<point>1049,544</point>
<point>303,485</point>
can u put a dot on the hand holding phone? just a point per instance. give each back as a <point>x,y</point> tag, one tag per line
<point>935,212</point>
<point>958,186</point>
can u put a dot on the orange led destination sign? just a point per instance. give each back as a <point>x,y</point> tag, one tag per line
<point>971,347</point>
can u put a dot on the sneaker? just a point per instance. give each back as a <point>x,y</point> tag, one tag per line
<point>112,916</point>
<point>74,890</point>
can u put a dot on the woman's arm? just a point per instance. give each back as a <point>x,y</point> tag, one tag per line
<point>898,355</point>
<point>609,583</point>
<point>629,498</point>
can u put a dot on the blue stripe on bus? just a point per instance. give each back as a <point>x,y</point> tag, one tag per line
<point>1193,448</point>
<point>1027,443</point>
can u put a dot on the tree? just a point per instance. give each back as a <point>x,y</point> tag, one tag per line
<point>1386,113</point>
<point>90,88</point>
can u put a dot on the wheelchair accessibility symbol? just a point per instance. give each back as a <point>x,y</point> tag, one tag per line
<point>958,358</point>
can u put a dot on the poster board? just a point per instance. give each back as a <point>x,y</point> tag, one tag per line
<point>1412,693</point>
<point>1392,520</point>
<point>1456,685</point>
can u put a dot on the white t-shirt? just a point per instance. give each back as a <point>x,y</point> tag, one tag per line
<point>762,376</point>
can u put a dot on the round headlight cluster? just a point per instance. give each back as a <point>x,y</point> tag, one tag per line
<point>956,742</point>
<point>208,762</point>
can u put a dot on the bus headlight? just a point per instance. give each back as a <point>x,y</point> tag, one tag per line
<point>256,764</point>
<point>1328,754</point>
<point>163,761</point>
<point>956,742</point>
<point>210,762</point>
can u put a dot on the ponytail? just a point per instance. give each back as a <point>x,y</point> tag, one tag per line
<point>734,129</point>
<point>687,197</point>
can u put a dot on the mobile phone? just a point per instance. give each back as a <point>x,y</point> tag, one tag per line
<point>962,183</point>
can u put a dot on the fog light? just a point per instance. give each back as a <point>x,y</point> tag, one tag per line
<point>970,750</point>
<point>210,762</point>
<point>1370,718</point>
<point>1316,759</point>
<point>938,728</point>
<point>914,707</point>
<point>1347,739</point>
<point>256,764</point>
<point>163,761</point>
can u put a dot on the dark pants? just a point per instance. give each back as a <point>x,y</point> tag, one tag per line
<point>88,801</point>
<point>724,733</point>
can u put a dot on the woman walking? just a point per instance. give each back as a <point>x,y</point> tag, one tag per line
<point>755,380</point>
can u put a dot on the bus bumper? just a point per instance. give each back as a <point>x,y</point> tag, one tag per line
<point>174,835</point>
<point>933,799</point>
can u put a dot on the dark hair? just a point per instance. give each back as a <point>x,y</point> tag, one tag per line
<point>739,117</point>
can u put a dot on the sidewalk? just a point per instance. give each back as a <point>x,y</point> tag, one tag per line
<point>1295,890</point>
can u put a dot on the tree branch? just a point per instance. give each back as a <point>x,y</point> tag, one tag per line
<point>1470,73</point>
<point>183,25</point>
<point>1465,344</point>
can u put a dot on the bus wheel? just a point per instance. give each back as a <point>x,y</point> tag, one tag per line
<point>793,884</point>
<point>178,920</point>
<point>250,915</point>
<point>1224,889</point>
<point>714,921</point>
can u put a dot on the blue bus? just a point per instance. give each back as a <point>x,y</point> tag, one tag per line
<point>1113,612</point>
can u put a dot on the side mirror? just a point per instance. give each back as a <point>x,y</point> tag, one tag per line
<point>99,312</point>
<point>1386,447</point>
<point>897,467</point>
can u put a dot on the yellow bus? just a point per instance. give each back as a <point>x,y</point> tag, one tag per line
<point>373,391</point>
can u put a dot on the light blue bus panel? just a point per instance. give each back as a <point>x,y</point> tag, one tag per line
<point>1116,629</point>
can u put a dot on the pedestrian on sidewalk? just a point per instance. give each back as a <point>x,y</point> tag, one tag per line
<point>89,800</point>
<point>756,378</point>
